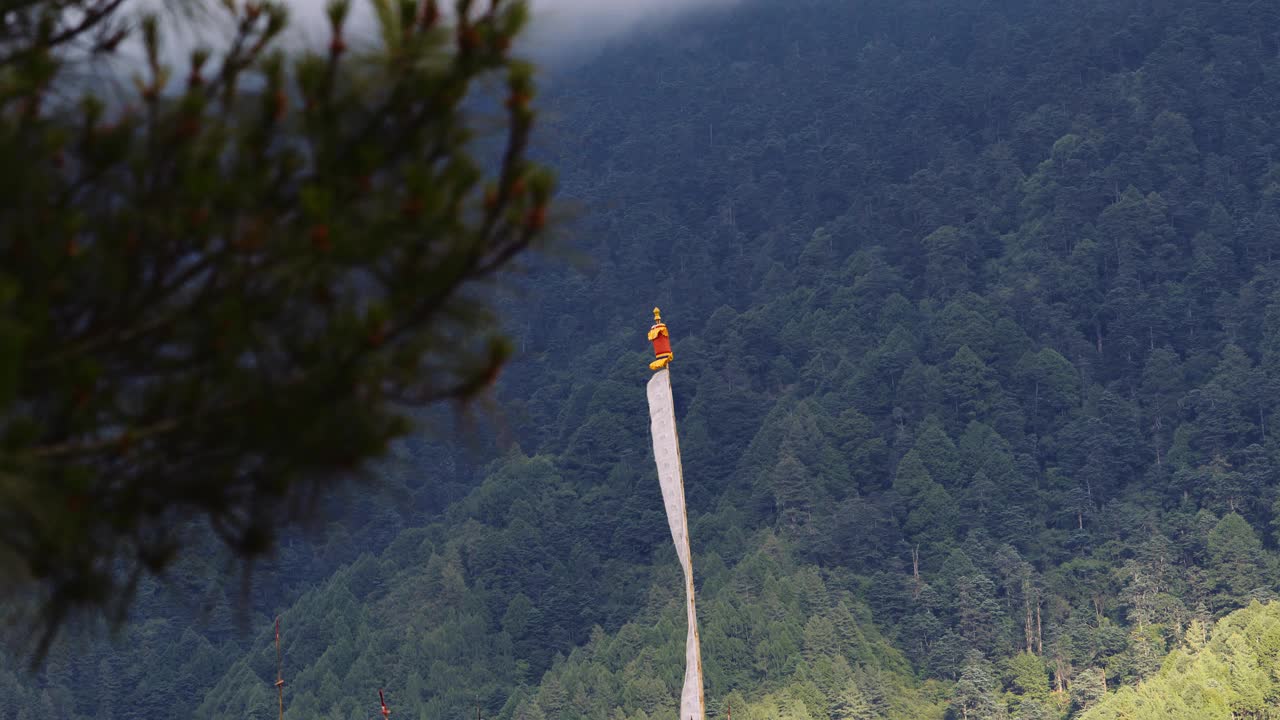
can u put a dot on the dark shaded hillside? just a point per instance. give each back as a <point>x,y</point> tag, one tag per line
<point>975,310</point>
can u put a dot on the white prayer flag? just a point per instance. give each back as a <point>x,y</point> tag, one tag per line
<point>666,452</point>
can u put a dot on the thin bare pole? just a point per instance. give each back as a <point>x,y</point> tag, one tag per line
<point>279,670</point>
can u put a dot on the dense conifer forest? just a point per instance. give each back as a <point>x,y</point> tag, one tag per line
<point>976,314</point>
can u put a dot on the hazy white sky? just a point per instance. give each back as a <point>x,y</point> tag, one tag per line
<point>560,28</point>
<point>571,20</point>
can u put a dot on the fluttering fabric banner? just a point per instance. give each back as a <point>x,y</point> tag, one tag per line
<point>666,452</point>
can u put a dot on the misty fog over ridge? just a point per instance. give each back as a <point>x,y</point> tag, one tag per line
<point>559,29</point>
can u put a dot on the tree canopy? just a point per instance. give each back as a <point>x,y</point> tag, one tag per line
<point>221,292</point>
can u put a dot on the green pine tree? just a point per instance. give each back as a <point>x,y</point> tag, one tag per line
<point>225,289</point>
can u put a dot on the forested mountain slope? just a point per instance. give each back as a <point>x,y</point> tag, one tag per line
<point>1230,673</point>
<point>975,311</point>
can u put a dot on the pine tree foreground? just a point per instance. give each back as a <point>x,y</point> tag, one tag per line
<point>220,292</point>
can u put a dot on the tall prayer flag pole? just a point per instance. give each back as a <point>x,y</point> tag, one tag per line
<point>666,452</point>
